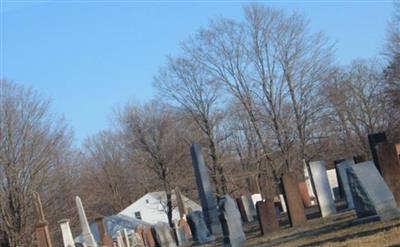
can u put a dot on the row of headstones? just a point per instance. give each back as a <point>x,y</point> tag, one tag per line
<point>364,187</point>
<point>159,234</point>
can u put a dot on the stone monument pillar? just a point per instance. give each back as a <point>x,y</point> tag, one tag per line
<point>267,217</point>
<point>87,235</point>
<point>66,233</point>
<point>42,228</point>
<point>323,190</point>
<point>206,191</point>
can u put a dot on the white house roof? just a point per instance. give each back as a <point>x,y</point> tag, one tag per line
<point>152,207</point>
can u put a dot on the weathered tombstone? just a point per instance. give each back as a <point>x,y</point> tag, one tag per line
<point>231,222</point>
<point>249,208</point>
<point>102,232</point>
<point>125,238</point>
<point>206,191</point>
<point>389,163</point>
<point>340,184</point>
<point>266,217</point>
<point>181,235</point>
<point>66,233</point>
<point>137,240</point>
<point>148,237</point>
<point>164,236</point>
<point>199,229</point>
<point>370,193</point>
<point>293,199</point>
<point>398,149</point>
<point>341,169</point>
<point>42,228</point>
<point>308,181</point>
<point>321,183</point>
<point>185,226</point>
<point>333,183</point>
<point>255,198</point>
<point>374,140</point>
<point>241,209</point>
<point>305,196</point>
<point>179,202</point>
<point>120,240</point>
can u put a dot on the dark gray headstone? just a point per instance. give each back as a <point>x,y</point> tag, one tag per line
<point>342,171</point>
<point>200,232</point>
<point>374,139</point>
<point>371,195</point>
<point>231,222</point>
<point>206,191</point>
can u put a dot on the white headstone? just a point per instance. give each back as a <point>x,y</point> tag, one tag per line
<point>249,208</point>
<point>333,183</point>
<point>342,167</point>
<point>255,198</point>
<point>66,233</point>
<point>87,235</point>
<point>283,202</point>
<point>125,238</point>
<point>371,195</point>
<point>321,182</point>
<point>120,240</point>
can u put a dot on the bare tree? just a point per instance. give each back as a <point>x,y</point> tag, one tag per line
<point>186,83</point>
<point>357,104</point>
<point>32,142</point>
<point>152,138</point>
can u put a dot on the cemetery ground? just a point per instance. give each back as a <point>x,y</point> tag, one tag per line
<point>341,229</point>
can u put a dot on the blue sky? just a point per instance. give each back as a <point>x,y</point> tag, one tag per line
<point>91,56</point>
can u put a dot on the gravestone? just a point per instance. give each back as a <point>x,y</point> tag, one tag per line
<point>199,229</point>
<point>241,209</point>
<point>266,217</point>
<point>255,198</point>
<point>341,168</point>
<point>370,193</point>
<point>137,240</point>
<point>181,236</point>
<point>308,181</point>
<point>120,240</point>
<point>389,163</point>
<point>125,238</point>
<point>101,229</point>
<point>186,228</point>
<point>41,229</point>
<point>179,202</point>
<point>148,237</point>
<point>340,184</point>
<point>322,187</point>
<point>231,222</point>
<point>66,233</point>
<point>205,190</point>
<point>333,183</point>
<point>305,196</point>
<point>293,198</point>
<point>87,235</point>
<point>249,208</point>
<point>374,140</point>
<point>164,236</point>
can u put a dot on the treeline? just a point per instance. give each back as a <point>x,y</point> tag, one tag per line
<point>262,96</point>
